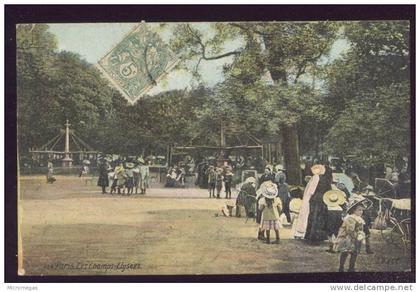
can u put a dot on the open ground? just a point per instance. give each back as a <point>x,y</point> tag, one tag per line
<point>70,228</point>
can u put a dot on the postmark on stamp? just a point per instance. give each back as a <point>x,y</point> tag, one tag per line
<point>138,62</point>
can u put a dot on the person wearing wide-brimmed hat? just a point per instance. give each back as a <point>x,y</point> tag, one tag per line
<point>271,206</point>
<point>302,222</point>
<point>120,178</point>
<point>351,235</point>
<point>367,217</point>
<point>335,201</point>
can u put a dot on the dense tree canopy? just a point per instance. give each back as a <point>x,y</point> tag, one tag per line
<point>280,81</point>
<point>369,92</point>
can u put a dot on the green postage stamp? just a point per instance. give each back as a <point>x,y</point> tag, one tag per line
<point>138,62</point>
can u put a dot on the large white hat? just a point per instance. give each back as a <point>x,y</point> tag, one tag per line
<point>268,189</point>
<point>334,198</point>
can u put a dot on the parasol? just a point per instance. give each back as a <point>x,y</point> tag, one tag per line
<point>344,179</point>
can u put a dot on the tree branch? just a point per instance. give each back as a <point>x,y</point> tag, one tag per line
<point>302,67</point>
<point>198,64</point>
<point>203,47</point>
<point>301,71</point>
<point>220,56</point>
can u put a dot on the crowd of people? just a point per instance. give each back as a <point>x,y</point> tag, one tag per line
<point>325,209</point>
<point>217,177</point>
<point>326,212</point>
<point>125,177</point>
<point>175,176</point>
<point>236,164</point>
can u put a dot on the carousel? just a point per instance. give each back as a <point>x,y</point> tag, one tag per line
<point>75,152</point>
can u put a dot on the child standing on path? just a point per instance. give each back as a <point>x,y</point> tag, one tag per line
<point>351,236</point>
<point>227,178</point>
<point>211,173</point>
<point>219,181</point>
<point>270,206</point>
<point>129,173</point>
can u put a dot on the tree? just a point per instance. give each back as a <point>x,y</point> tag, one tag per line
<point>285,50</point>
<point>35,50</point>
<point>53,86</point>
<point>369,92</point>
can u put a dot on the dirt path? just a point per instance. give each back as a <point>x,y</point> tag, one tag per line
<point>69,228</point>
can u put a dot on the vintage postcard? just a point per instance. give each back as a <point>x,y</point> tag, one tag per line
<point>214,148</point>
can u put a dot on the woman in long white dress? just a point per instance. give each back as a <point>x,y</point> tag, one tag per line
<point>302,222</point>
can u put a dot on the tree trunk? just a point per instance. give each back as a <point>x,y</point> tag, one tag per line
<point>291,155</point>
<point>290,142</point>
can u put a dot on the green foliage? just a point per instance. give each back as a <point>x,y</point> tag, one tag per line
<point>369,92</point>
<point>360,106</point>
<point>54,86</point>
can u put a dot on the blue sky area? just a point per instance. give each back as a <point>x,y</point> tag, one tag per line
<point>93,40</point>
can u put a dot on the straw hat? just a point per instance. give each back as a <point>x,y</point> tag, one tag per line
<point>334,198</point>
<point>358,200</point>
<point>141,160</point>
<point>318,169</point>
<point>294,205</point>
<point>268,189</point>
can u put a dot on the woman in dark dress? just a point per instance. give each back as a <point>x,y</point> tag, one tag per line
<point>245,198</point>
<point>103,180</point>
<point>316,230</point>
